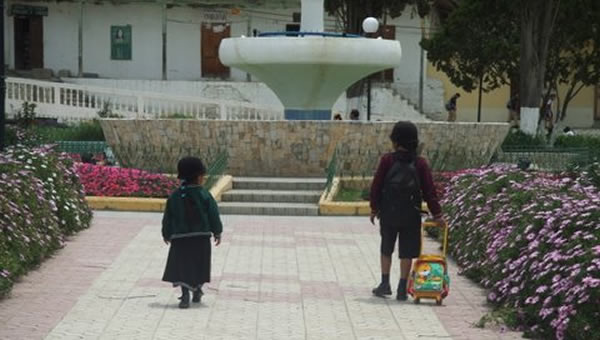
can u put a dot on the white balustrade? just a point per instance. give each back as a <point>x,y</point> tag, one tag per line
<point>70,102</point>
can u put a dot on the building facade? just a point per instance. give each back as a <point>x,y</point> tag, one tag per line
<point>111,40</point>
<point>178,41</point>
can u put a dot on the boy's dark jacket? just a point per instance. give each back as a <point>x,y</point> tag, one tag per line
<point>206,221</point>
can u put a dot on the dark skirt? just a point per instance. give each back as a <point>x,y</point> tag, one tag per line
<point>188,264</point>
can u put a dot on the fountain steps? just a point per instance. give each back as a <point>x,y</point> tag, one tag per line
<point>273,196</point>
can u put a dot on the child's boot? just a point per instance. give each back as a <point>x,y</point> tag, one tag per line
<point>384,287</point>
<point>197,294</point>
<point>402,294</point>
<point>185,298</point>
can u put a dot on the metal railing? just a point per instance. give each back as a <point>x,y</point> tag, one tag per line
<point>358,166</point>
<point>69,102</point>
<point>331,171</point>
<point>543,157</point>
<point>216,168</point>
<point>302,34</point>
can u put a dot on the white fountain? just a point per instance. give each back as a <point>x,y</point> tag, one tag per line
<point>308,72</point>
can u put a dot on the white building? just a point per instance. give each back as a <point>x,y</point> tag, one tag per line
<point>51,35</point>
<point>175,41</point>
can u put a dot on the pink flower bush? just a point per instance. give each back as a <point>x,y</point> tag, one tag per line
<point>101,180</point>
<point>41,201</point>
<point>533,240</point>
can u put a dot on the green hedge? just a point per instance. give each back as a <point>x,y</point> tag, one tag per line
<point>517,138</point>
<point>41,201</point>
<point>84,131</point>
<point>592,143</point>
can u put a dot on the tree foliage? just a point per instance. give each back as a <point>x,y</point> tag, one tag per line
<point>574,53</point>
<point>353,12</point>
<point>467,47</point>
<point>504,40</point>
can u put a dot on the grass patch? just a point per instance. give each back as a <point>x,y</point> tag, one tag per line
<point>351,195</point>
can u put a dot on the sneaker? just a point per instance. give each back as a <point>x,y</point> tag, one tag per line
<point>402,296</point>
<point>197,295</point>
<point>382,290</point>
<point>401,293</point>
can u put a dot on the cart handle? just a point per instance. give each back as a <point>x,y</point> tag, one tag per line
<point>434,224</point>
<point>444,227</point>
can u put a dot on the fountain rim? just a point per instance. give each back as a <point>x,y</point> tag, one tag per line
<point>304,33</point>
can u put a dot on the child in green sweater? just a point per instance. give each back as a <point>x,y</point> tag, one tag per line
<point>191,217</point>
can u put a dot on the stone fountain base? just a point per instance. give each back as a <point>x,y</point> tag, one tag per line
<point>294,148</point>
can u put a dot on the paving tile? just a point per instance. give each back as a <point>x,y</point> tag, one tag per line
<point>272,278</point>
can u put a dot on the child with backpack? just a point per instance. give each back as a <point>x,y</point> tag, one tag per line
<point>401,182</point>
<point>191,217</point>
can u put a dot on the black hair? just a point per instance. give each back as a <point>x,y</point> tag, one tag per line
<point>88,158</point>
<point>406,135</point>
<point>188,170</point>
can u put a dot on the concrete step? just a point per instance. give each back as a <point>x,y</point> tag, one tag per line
<point>285,196</point>
<point>279,183</point>
<point>264,208</point>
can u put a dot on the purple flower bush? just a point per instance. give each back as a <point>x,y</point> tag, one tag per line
<point>41,202</point>
<point>532,239</point>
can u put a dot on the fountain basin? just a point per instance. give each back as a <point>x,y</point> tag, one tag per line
<point>308,74</point>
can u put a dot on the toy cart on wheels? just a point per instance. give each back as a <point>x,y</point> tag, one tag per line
<point>429,278</point>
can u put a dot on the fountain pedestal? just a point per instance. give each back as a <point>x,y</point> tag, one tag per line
<point>309,72</point>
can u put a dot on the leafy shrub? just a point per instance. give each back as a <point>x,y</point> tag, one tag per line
<point>84,131</point>
<point>517,138</point>
<point>592,143</point>
<point>594,174</point>
<point>25,116</point>
<point>41,201</point>
<point>16,135</point>
<point>101,180</point>
<point>533,239</point>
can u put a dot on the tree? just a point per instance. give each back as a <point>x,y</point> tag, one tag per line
<point>574,53</point>
<point>500,45</point>
<point>537,20</point>
<point>353,12</point>
<point>477,46</point>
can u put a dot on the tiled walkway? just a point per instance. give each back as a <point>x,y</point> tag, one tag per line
<point>273,278</point>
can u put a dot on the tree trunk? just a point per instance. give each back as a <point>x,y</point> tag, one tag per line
<point>537,19</point>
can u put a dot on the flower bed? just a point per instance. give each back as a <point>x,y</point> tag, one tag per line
<point>533,240</point>
<point>41,201</point>
<point>101,180</point>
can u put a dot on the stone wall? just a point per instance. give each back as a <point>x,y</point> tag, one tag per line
<point>293,148</point>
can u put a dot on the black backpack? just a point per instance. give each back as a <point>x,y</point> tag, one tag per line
<point>401,194</point>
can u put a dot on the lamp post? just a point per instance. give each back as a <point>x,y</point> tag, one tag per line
<point>2,80</point>
<point>370,25</point>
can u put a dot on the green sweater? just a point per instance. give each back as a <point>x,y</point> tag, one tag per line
<point>201,219</point>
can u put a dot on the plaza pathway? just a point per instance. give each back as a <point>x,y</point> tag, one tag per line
<point>273,278</point>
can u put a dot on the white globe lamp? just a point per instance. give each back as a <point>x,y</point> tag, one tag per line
<point>370,25</point>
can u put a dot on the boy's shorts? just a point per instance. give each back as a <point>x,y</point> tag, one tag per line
<point>409,240</point>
